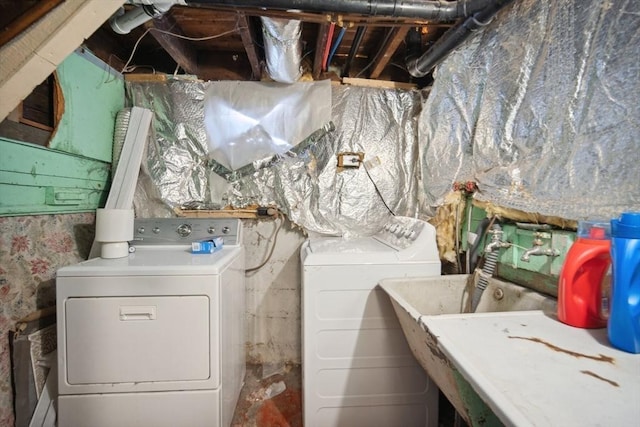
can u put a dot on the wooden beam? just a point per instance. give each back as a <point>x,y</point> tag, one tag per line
<point>246,32</point>
<point>380,84</point>
<point>26,19</point>
<point>321,42</point>
<point>178,48</point>
<point>31,56</point>
<point>387,51</point>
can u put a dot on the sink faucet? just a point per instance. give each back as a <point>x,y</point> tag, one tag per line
<point>537,250</point>
<point>496,240</point>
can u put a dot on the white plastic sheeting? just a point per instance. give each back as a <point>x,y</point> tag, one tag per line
<point>541,109</point>
<point>248,121</point>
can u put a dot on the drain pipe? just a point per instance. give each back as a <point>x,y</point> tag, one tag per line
<point>124,22</point>
<point>421,66</point>
<point>433,10</point>
<point>354,50</point>
<point>489,267</point>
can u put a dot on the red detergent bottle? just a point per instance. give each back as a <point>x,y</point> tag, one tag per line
<point>582,275</point>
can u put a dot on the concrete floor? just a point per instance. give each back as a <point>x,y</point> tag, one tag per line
<point>271,397</point>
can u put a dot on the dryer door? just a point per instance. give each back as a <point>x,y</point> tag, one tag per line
<point>137,339</point>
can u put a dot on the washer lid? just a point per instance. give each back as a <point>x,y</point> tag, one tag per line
<point>156,260</point>
<point>340,251</point>
<point>341,245</point>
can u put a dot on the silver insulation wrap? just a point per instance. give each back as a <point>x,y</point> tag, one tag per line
<point>541,110</point>
<point>304,182</point>
<point>283,48</point>
<point>319,196</point>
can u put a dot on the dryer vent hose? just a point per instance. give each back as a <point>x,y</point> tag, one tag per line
<point>119,135</point>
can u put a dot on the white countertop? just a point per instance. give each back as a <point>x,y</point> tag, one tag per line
<point>533,370</point>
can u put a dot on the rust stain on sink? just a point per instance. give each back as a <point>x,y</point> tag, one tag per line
<point>594,375</point>
<point>599,358</point>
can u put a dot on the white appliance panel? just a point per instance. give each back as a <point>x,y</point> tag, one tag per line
<point>372,381</point>
<point>156,338</point>
<point>137,339</point>
<point>397,415</point>
<point>350,343</point>
<point>156,260</point>
<point>200,408</point>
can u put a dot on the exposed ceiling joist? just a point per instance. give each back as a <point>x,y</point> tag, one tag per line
<point>246,32</point>
<point>321,42</point>
<point>179,49</point>
<point>387,50</point>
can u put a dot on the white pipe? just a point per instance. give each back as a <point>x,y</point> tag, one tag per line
<point>123,23</point>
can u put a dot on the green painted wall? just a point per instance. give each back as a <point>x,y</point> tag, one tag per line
<point>36,180</point>
<point>72,175</point>
<point>93,95</point>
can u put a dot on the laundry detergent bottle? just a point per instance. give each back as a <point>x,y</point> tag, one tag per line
<point>585,268</point>
<point>624,315</point>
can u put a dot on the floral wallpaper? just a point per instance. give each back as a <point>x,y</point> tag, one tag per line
<point>32,248</point>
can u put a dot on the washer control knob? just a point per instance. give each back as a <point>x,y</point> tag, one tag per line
<point>399,232</point>
<point>140,230</point>
<point>156,230</point>
<point>225,230</point>
<point>211,229</point>
<point>184,230</point>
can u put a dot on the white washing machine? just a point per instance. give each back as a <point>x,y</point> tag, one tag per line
<point>155,338</point>
<point>358,370</point>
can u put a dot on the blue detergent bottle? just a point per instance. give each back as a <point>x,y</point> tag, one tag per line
<point>624,315</point>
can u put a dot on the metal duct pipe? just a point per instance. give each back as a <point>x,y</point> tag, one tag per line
<point>421,9</point>
<point>421,66</point>
<point>283,48</point>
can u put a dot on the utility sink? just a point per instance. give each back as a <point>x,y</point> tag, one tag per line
<point>413,298</point>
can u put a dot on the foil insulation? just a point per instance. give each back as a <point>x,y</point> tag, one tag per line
<point>317,195</point>
<point>283,48</point>
<point>304,182</point>
<point>541,110</point>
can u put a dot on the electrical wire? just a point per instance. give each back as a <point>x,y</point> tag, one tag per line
<point>375,58</point>
<point>273,246</point>
<point>377,190</point>
<point>126,68</point>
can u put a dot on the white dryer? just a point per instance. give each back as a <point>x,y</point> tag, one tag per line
<point>155,338</point>
<point>358,370</point>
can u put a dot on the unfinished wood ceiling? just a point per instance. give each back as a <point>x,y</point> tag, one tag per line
<point>238,53</point>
